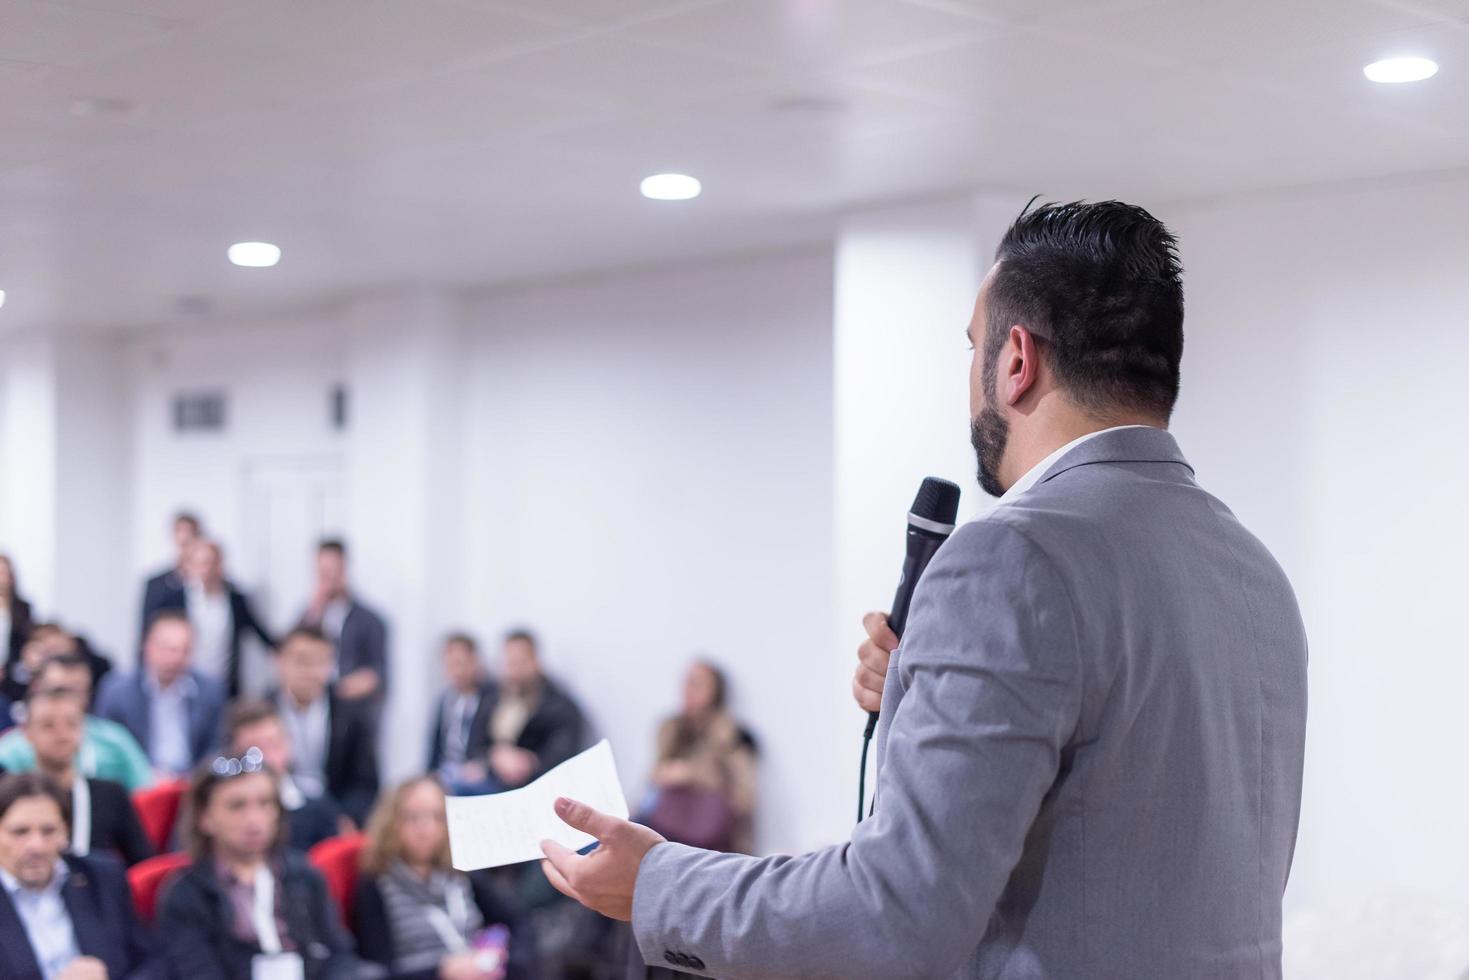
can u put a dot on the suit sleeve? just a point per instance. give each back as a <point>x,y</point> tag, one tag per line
<point>370,924</point>
<point>342,963</point>
<point>131,841</point>
<point>245,619</point>
<point>991,693</point>
<point>362,778</point>
<point>187,926</point>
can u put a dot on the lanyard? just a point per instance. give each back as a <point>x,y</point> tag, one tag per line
<point>445,923</point>
<point>81,816</point>
<point>262,912</point>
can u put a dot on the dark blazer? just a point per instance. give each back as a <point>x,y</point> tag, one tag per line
<point>196,915</point>
<point>375,933</point>
<point>157,592</point>
<point>312,823</point>
<point>242,621</point>
<point>20,628</point>
<point>124,699</point>
<point>101,908</point>
<point>364,642</point>
<point>436,744</point>
<point>554,732</point>
<point>350,768</point>
<point>115,826</point>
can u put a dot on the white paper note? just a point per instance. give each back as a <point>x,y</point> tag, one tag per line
<point>507,828</point>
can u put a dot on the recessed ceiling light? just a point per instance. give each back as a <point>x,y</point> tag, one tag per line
<point>1392,70</point>
<point>2,297</point>
<point>670,187</point>
<point>254,255</point>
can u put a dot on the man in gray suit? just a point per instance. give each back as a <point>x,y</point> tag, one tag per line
<point>1089,762</point>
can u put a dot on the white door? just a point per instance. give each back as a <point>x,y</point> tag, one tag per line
<point>291,503</point>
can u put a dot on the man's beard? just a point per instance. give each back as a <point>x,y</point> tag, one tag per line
<point>988,433</point>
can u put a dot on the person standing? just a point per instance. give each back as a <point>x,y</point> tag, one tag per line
<point>162,586</point>
<point>358,634</point>
<point>1090,756</point>
<point>222,615</point>
<point>15,613</point>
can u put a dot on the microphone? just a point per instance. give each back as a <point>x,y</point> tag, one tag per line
<point>930,522</point>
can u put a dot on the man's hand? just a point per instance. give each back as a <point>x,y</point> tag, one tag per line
<point>511,765</point>
<point>84,968</point>
<point>872,661</point>
<point>358,684</point>
<point>603,880</point>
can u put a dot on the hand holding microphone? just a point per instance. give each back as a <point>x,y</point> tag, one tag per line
<point>872,661</point>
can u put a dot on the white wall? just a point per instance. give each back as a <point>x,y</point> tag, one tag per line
<point>649,476</point>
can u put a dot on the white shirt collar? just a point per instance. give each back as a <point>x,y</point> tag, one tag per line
<point>184,687</point>
<point>1033,475</point>
<point>58,878</point>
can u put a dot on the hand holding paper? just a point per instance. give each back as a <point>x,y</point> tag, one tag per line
<point>507,828</point>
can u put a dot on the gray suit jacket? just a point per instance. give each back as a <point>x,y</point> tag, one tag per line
<point>1089,763</point>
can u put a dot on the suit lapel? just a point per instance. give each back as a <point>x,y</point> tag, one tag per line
<point>80,895</point>
<point>14,946</point>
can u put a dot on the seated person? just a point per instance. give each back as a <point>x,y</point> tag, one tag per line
<point>108,751</point>
<point>102,816</point>
<point>528,724</point>
<point>310,819</point>
<point>333,740</point>
<point>454,715</point>
<point>704,779</point>
<point>414,914</point>
<point>49,640</point>
<point>248,906</point>
<point>172,710</point>
<point>62,917</point>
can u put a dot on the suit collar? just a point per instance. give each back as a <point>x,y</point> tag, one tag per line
<point>79,894</point>
<point>1130,444</point>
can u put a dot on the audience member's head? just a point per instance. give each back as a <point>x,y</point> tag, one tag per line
<point>408,825</point>
<point>53,726</point>
<point>8,588</point>
<point>704,689</point>
<point>462,667</point>
<point>46,640</point>
<point>186,527</point>
<point>233,811</point>
<point>35,818</point>
<point>204,563</point>
<point>258,724</point>
<point>304,664</point>
<point>331,569</point>
<point>67,672</point>
<point>520,666</point>
<point>168,646</point>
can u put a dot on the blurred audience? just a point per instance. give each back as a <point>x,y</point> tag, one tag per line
<point>62,916</point>
<point>102,816</point>
<point>220,614</point>
<point>160,588</point>
<point>704,778</point>
<point>527,723</point>
<point>333,739</point>
<point>248,907</point>
<point>416,916</point>
<point>47,640</point>
<point>15,613</point>
<point>108,750</point>
<point>170,708</point>
<point>454,715</point>
<point>309,819</point>
<point>359,635</point>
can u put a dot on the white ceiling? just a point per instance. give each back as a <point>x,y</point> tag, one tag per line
<point>473,141</point>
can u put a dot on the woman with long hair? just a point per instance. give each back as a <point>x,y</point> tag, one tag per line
<point>415,915</point>
<point>248,906</point>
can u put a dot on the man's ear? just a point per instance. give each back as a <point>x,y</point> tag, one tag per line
<point>1019,365</point>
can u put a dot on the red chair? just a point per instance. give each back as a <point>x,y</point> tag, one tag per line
<point>158,811</point>
<point>337,860</point>
<point>147,878</point>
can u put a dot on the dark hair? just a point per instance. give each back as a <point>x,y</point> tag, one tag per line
<point>243,714</point>
<point>1101,286</point>
<point>304,632</point>
<point>26,785</point>
<point>463,639</point>
<point>63,661</point>
<point>202,787</point>
<point>190,518</point>
<point>167,616</point>
<point>332,544</point>
<point>523,635</point>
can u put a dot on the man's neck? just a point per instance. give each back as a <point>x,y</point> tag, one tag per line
<point>241,867</point>
<point>61,774</point>
<point>1029,445</point>
<point>300,705</point>
<point>165,685</point>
